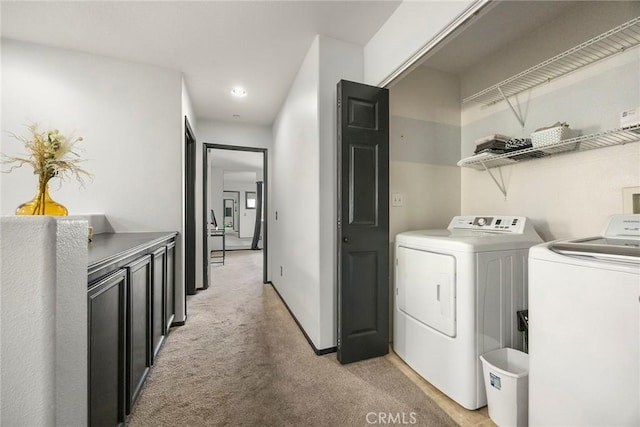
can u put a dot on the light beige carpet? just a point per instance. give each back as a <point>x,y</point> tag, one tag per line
<point>241,360</point>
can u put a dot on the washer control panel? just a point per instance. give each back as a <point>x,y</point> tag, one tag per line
<point>495,223</point>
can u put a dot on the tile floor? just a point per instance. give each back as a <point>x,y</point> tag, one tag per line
<point>462,416</point>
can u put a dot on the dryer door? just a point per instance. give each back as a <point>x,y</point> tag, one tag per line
<point>426,288</point>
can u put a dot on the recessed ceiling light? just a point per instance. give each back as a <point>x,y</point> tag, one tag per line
<point>236,116</point>
<point>239,92</point>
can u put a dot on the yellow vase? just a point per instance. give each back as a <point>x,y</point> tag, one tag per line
<point>42,204</point>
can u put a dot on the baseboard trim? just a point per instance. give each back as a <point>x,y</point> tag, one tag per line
<point>179,323</point>
<point>313,347</point>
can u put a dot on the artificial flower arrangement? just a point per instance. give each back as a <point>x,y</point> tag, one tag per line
<point>50,154</point>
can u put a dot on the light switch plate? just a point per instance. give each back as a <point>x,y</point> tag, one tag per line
<point>631,200</point>
<point>397,200</point>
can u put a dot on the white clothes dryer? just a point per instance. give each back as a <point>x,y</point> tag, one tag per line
<point>584,329</point>
<point>457,292</point>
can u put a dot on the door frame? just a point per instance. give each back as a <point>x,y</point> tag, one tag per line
<point>205,173</point>
<point>190,210</point>
<point>236,215</point>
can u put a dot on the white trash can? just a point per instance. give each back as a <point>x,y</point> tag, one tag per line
<point>506,380</point>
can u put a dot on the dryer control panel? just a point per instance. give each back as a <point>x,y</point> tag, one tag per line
<point>493,223</point>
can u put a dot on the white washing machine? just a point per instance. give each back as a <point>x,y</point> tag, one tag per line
<point>584,329</point>
<point>457,292</point>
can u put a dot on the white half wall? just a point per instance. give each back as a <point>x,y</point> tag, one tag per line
<point>43,321</point>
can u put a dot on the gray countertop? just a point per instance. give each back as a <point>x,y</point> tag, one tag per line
<point>108,248</point>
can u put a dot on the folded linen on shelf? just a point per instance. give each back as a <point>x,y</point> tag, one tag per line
<point>493,146</point>
<point>492,143</point>
<point>515,144</point>
<point>494,137</point>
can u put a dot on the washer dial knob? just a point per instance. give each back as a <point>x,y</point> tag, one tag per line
<point>482,221</point>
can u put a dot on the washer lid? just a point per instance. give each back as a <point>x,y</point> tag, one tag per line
<point>601,247</point>
<point>620,241</point>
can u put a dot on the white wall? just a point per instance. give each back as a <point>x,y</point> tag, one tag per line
<point>234,133</point>
<point>130,117</point>
<point>294,237</point>
<point>338,61</point>
<point>568,195</point>
<point>424,149</point>
<point>413,27</point>
<point>302,240</point>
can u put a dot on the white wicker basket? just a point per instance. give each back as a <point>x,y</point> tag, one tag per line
<point>548,138</point>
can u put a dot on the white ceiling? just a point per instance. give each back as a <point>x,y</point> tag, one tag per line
<point>216,44</point>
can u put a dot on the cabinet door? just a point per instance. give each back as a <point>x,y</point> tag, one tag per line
<point>106,311</point>
<point>158,297</point>
<point>170,304</point>
<point>138,327</point>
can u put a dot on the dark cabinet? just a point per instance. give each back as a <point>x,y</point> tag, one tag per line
<point>170,303</point>
<point>107,319</point>
<point>159,290</point>
<point>138,327</point>
<point>131,304</point>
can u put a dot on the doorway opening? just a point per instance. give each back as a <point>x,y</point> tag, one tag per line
<point>235,201</point>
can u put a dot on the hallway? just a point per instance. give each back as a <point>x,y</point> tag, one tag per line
<point>241,360</point>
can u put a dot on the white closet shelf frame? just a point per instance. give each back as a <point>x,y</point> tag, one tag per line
<point>582,143</point>
<point>612,42</point>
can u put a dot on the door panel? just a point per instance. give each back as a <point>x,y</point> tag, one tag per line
<point>170,302</point>
<point>363,113</point>
<point>158,296</point>
<point>426,288</point>
<point>138,327</point>
<point>107,358</point>
<point>362,297</point>
<point>363,221</point>
<point>363,191</point>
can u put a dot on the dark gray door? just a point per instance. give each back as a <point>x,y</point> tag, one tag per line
<point>363,221</point>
